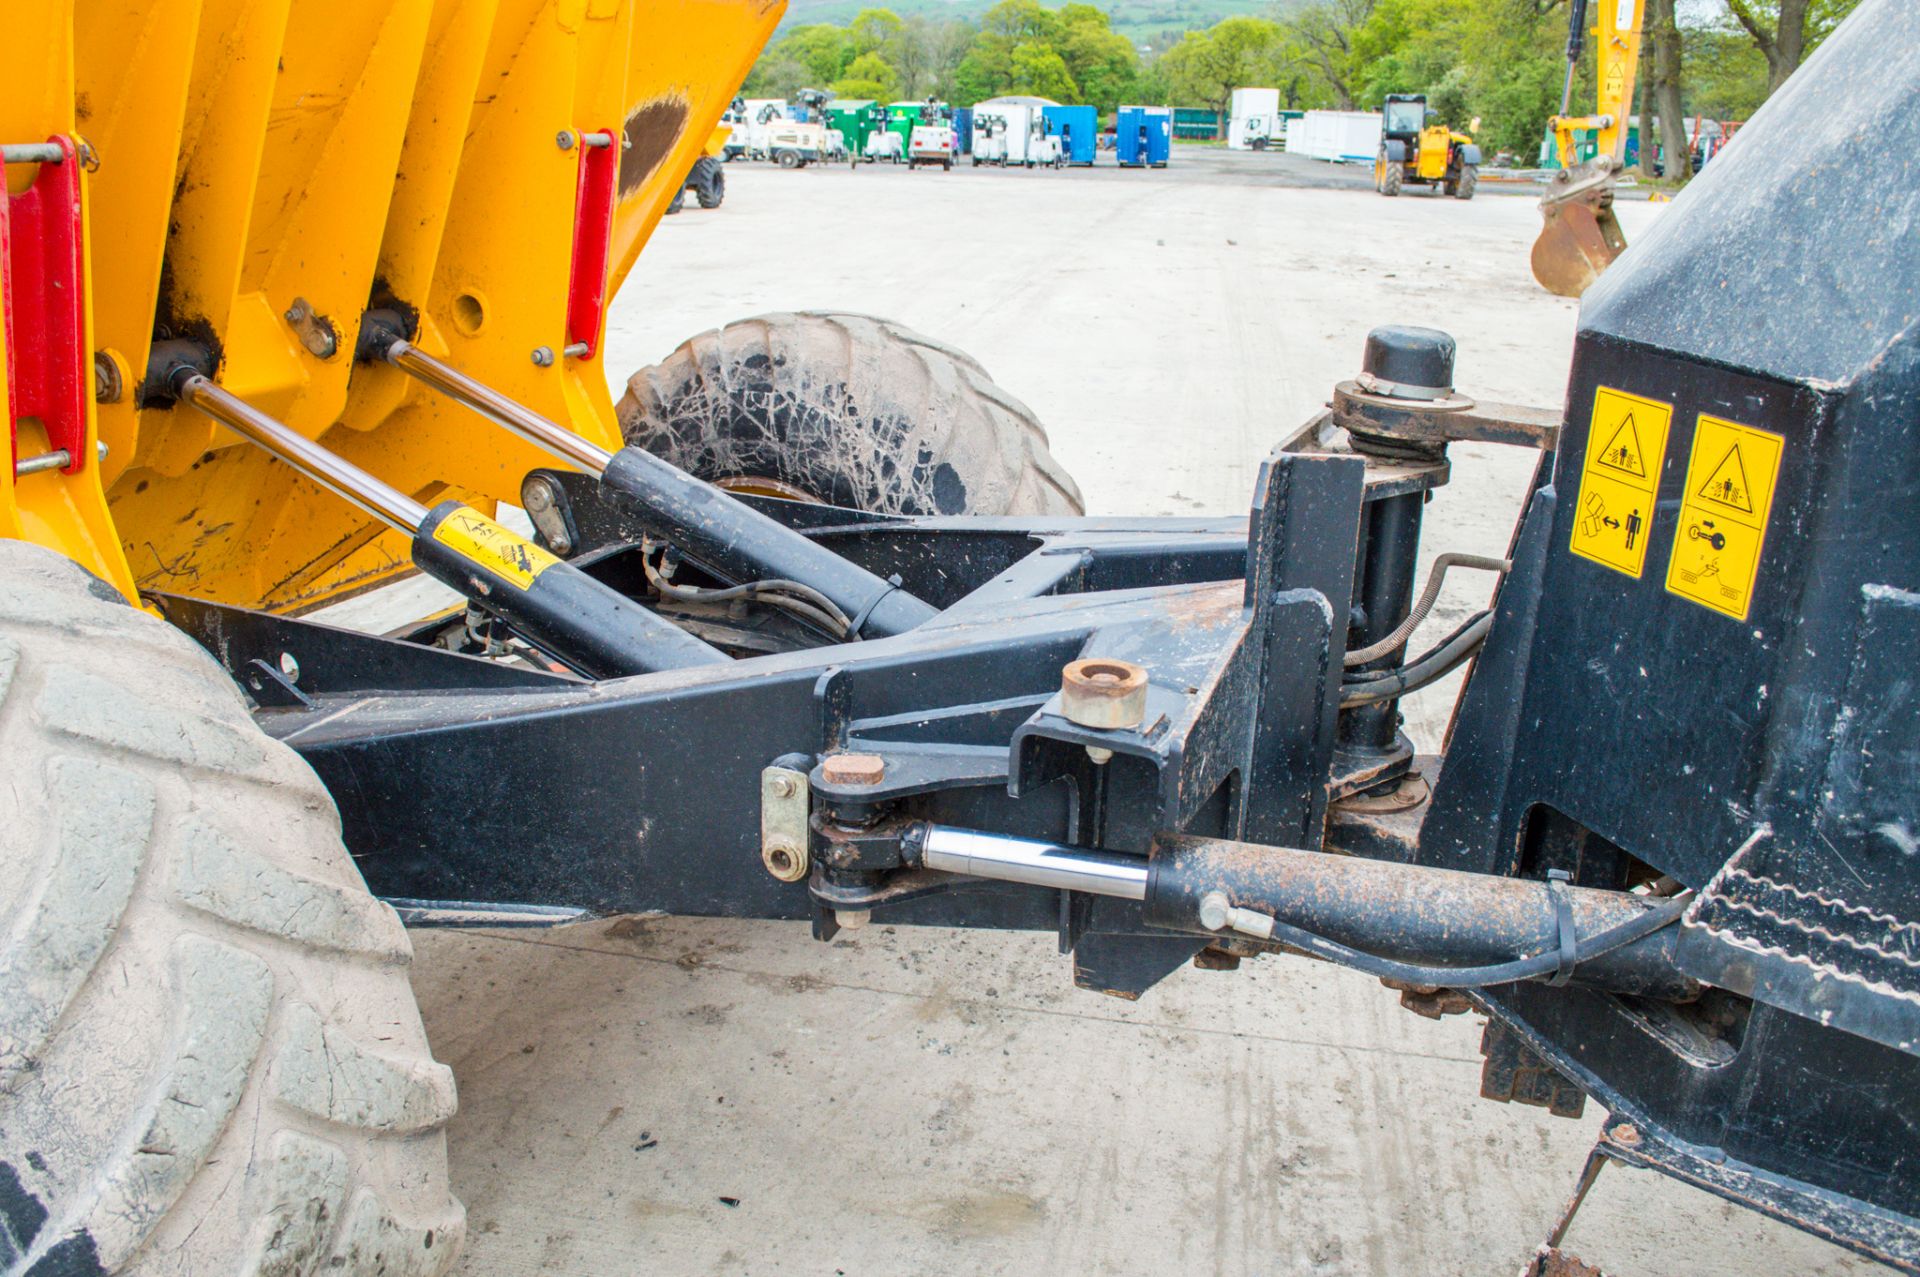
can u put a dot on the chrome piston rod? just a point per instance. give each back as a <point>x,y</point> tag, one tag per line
<point>386,503</point>
<point>549,436</point>
<point>1037,863</point>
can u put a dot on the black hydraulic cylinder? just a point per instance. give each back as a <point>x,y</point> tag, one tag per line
<point>548,602</point>
<point>741,544</point>
<point>708,525</point>
<point>1389,549</point>
<point>1410,913</point>
<point>553,605</point>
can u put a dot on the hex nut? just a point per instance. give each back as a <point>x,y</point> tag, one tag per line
<point>1626,1134</point>
<point>853,769</point>
<point>1103,693</point>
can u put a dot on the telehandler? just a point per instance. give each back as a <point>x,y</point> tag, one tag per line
<point>812,627</point>
<point>1416,149</point>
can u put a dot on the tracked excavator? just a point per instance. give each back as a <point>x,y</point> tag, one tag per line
<point>1580,236</point>
<point>809,625</point>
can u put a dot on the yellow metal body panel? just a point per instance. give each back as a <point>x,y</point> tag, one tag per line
<point>1616,51</point>
<point>1431,163</point>
<point>260,157</point>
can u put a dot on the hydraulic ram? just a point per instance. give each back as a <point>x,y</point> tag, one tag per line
<point>553,605</point>
<point>704,523</point>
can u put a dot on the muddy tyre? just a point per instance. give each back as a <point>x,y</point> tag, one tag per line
<point>1468,183</point>
<point>850,410</point>
<point>712,191</point>
<point>210,1058</point>
<point>1391,179</point>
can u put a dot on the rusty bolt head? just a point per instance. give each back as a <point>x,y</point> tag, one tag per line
<point>1626,1134</point>
<point>854,769</point>
<point>1103,693</point>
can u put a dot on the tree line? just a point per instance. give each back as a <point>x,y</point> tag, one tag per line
<point>1499,61</point>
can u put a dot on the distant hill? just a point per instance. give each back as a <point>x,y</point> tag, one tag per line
<point>1135,18</point>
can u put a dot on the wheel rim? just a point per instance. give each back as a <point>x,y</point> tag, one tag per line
<point>753,485</point>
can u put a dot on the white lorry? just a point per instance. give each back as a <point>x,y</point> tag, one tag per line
<point>1253,121</point>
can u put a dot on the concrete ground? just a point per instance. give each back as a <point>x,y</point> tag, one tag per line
<point>683,1096</point>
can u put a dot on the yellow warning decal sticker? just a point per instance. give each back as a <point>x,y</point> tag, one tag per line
<point>1626,445</point>
<point>1723,515</point>
<point>475,536</point>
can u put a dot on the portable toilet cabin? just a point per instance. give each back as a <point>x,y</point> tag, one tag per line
<point>857,119</point>
<point>1076,127</point>
<point>1144,136</point>
<point>1253,123</point>
<point>963,130</point>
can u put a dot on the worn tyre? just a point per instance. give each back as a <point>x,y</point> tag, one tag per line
<point>713,191</point>
<point>1391,179</point>
<point>850,410</point>
<point>1469,181</point>
<point>210,1058</point>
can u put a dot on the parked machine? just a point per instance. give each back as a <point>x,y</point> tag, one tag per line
<point>1077,128</point>
<point>1254,122</point>
<point>931,146</point>
<point>761,115</point>
<point>797,639</point>
<point>707,179</point>
<point>1580,237</point>
<point>1143,136</point>
<point>989,136</point>
<point>794,145</point>
<point>884,144</point>
<point>1416,149</point>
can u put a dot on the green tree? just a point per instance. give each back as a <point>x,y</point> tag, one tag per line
<point>1039,71</point>
<point>1785,31</point>
<point>1207,66</point>
<point>869,76</point>
<point>1100,60</point>
<point>875,31</point>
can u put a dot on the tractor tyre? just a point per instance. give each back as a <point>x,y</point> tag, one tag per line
<point>678,202</point>
<point>1469,181</point>
<point>709,183</point>
<point>849,410</point>
<point>210,1058</point>
<point>1391,179</point>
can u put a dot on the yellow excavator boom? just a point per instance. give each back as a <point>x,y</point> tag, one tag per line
<point>253,176</point>
<point>1580,236</point>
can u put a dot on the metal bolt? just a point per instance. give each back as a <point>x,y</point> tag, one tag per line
<point>599,141</point>
<point>543,356</point>
<point>564,139</point>
<point>108,385</point>
<point>578,350</point>
<point>854,769</point>
<point>852,919</point>
<point>1100,755</point>
<point>1627,1135</point>
<point>782,786</point>
<point>1213,911</point>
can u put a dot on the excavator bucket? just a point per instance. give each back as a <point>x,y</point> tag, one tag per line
<point>1581,236</point>
<point>1577,243</point>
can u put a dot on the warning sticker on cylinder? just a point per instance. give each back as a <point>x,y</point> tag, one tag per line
<point>1626,446</point>
<point>1723,515</point>
<point>473,535</point>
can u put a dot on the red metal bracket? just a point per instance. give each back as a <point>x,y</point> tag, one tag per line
<point>42,287</point>
<point>592,243</point>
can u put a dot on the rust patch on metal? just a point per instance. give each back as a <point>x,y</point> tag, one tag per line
<point>652,130</point>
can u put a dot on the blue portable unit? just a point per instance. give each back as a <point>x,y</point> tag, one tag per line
<point>963,130</point>
<point>1144,136</point>
<point>1076,127</point>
